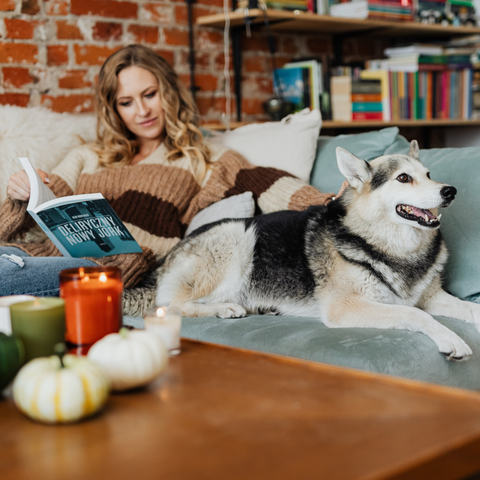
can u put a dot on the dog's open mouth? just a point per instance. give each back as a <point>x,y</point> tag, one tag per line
<point>421,216</point>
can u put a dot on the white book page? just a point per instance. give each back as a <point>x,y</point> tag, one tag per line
<point>68,200</point>
<point>39,192</point>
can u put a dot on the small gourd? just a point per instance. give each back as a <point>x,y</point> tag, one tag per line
<point>130,358</point>
<point>12,357</point>
<point>60,389</point>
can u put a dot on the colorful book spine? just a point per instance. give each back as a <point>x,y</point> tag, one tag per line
<point>366,107</point>
<point>366,97</point>
<point>359,116</point>
<point>427,95</point>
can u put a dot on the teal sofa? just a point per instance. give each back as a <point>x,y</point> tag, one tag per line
<point>391,352</point>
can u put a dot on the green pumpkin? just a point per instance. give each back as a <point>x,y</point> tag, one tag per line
<point>12,357</point>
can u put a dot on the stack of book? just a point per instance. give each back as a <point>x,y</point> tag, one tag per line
<point>393,10</point>
<point>425,82</point>
<point>301,5</point>
<point>350,10</point>
<point>367,100</point>
<point>300,82</point>
<point>341,98</point>
<point>476,93</point>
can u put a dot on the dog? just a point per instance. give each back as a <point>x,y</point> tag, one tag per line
<point>371,258</point>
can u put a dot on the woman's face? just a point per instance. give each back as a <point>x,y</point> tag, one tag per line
<point>138,103</point>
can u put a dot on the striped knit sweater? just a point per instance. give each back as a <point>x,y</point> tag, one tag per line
<point>156,199</point>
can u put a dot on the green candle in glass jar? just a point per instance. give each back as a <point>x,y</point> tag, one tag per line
<point>40,324</point>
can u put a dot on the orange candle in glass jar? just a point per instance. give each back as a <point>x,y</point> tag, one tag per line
<point>93,303</point>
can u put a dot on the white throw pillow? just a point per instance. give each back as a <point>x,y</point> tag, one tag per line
<point>41,135</point>
<point>288,145</point>
<point>238,206</point>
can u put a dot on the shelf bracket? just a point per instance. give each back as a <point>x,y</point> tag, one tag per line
<point>237,68</point>
<point>191,55</point>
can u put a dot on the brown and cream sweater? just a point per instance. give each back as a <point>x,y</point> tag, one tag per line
<point>156,199</point>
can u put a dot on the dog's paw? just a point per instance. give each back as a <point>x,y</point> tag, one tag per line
<point>230,310</point>
<point>454,348</point>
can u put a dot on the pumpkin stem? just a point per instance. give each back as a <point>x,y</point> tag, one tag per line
<point>60,349</point>
<point>123,332</point>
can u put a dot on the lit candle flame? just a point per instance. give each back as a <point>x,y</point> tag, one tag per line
<point>36,302</point>
<point>161,312</point>
<point>103,277</point>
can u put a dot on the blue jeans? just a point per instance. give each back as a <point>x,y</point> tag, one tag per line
<point>39,276</point>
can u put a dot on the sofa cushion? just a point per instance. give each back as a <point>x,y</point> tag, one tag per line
<point>325,173</point>
<point>288,145</point>
<point>456,166</point>
<point>461,221</point>
<point>459,167</point>
<point>393,352</point>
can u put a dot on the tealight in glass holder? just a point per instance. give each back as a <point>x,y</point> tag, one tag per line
<point>166,323</point>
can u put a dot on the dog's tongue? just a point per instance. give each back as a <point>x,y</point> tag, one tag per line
<point>419,212</point>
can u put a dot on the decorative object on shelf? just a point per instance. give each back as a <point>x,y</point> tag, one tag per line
<point>294,85</point>
<point>12,357</point>
<point>452,12</point>
<point>5,302</point>
<point>61,388</point>
<point>40,325</point>
<point>278,108</point>
<point>130,359</point>
<point>165,323</point>
<point>93,303</point>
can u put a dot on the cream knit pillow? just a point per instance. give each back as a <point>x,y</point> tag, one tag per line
<point>289,145</point>
<point>43,136</point>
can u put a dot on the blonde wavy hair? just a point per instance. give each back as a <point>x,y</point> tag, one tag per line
<point>116,145</point>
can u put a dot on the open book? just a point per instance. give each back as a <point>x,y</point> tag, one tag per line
<point>79,225</point>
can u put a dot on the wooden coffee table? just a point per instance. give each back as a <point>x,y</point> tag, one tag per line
<point>228,414</point>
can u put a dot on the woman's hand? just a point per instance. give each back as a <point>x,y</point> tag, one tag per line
<point>18,187</point>
<point>345,184</point>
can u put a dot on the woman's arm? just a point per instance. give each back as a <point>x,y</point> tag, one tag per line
<point>15,221</point>
<point>272,189</point>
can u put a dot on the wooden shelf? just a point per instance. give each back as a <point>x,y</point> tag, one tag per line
<point>329,124</point>
<point>402,123</point>
<point>310,22</point>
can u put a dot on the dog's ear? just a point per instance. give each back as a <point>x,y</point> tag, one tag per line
<point>414,150</point>
<point>357,171</point>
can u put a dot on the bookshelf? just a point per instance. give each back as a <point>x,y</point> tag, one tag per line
<point>285,21</point>
<point>330,124</point>
<point>281,20</point>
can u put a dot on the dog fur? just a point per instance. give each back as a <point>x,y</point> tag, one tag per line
<point>371,258</point>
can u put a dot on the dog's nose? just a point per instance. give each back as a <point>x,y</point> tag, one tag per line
<point>448,193</point>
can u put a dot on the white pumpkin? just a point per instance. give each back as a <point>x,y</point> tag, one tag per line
<point>130,358</point>
<point>55,390</point>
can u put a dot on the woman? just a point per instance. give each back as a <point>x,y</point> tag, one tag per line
<point>151,163</point>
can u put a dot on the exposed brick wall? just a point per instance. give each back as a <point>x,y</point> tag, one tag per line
<point>51,51</point>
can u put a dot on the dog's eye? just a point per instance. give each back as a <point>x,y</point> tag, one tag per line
<point>428,175</point>
<point>404,178</point>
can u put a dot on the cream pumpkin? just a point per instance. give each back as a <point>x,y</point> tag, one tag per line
<point>55,390</point>
<point>130,358</point>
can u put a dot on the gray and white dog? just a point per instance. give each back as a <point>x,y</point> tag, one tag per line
<point>371,258</point>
